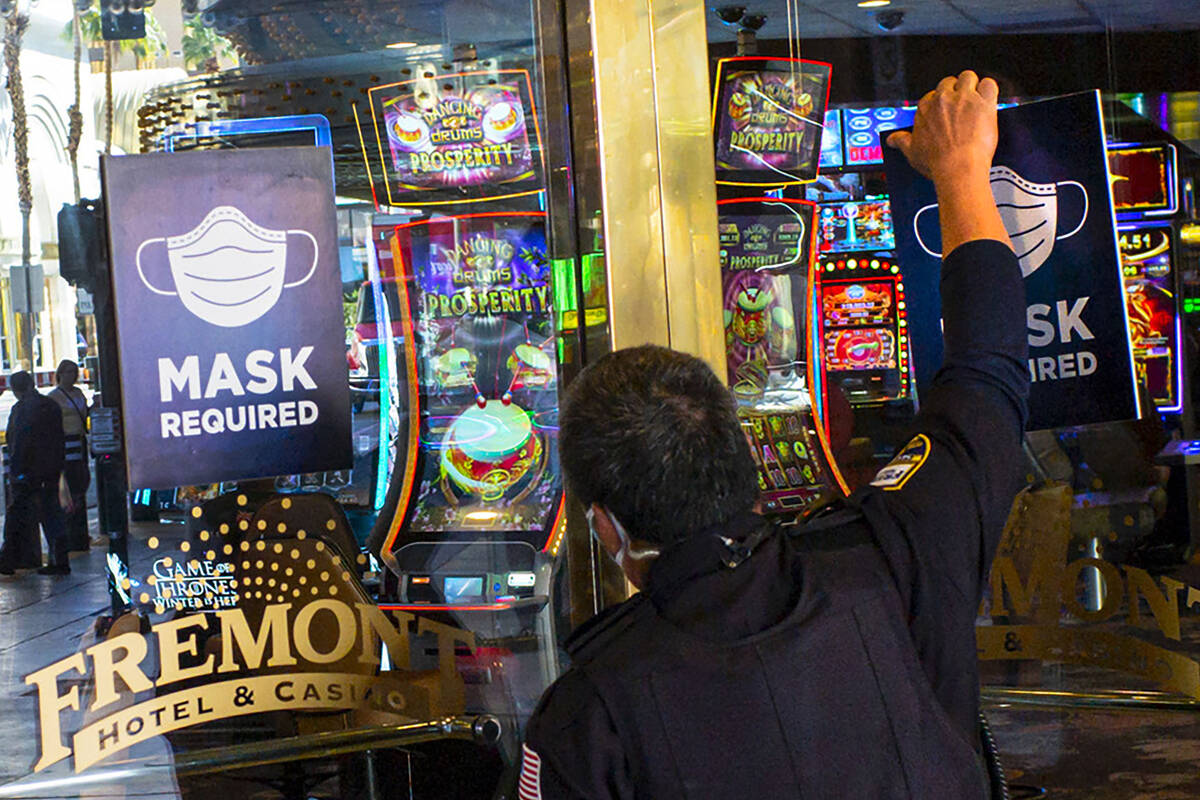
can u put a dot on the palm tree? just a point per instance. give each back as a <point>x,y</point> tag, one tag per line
<point>203,46</point>
<point>147,49</point>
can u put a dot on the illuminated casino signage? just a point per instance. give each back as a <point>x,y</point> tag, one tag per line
<point>462,137</point>
<point>768,116</point>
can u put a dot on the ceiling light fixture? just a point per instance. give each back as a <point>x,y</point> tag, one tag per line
<point>406,45</point>
<point>874,3</point>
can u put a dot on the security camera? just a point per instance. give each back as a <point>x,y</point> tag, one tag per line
<point>891,19</point>
<point>730,15</point>
<point>753,21</point>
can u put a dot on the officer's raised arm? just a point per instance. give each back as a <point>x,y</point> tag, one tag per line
<point>951,488</point>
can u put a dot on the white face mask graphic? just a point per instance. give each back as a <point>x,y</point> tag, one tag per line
<point>1030,215</point>
<point>227,270</point>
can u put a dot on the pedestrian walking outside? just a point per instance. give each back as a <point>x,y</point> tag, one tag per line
<point>35,450</point>
<point>73,404</point>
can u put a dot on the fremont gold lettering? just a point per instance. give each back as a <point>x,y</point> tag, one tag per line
<point>237,631</point>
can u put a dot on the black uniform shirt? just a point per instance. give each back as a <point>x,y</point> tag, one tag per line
<point>817,670</point>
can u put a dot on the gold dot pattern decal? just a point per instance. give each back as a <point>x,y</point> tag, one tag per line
<point>208,577</point>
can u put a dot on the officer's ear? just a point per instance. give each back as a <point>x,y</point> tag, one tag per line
<point>606,532</point>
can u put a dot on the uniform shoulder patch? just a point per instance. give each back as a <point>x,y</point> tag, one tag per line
<point>904,465</point>
<point>530,786</point>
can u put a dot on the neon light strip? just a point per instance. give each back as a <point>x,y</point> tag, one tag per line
<point>557,530</point>
<point>385,354</point>
<point>414,413</point>
<point>816,367</point>
<point>387,183</point>
<point>447,607</point>
<point>1112,205</point>
<point>366,161</point>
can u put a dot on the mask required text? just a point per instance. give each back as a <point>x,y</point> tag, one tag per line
<point>264,372</point>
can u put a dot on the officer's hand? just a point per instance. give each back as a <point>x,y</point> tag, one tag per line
<point>954,133</point>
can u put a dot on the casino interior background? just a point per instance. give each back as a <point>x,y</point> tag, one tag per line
<point>522,186</point>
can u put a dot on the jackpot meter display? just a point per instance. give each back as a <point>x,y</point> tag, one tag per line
<point>1154,319</point>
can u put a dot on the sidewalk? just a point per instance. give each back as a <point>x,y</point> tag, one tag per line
<point>43,619</point>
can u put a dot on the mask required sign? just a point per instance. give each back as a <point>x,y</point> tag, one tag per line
<point>1050,182</point>
<point>229,314</point>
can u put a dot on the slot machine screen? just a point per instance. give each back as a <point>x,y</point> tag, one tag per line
<point>768,119</point>
<point>856,225</point>
<point>863,336</point>
<point>1154,321</point>
<point>479,290</point>
<point>1143,178</point>
<point>863,127</point>
<point>784,449</point>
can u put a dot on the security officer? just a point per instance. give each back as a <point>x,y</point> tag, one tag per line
<point>838,662</point>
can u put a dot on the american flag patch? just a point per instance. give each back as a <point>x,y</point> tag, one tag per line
<point>530,787</point>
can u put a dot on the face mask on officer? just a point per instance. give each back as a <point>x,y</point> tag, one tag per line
<point>1030,214</point>
<point>632,557</point>
<point>228,271</point>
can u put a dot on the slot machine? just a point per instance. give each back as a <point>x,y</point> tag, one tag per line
<point>864,318</point>
<point>468,369</point>
<point>1145,184</point>
<point>766,122</point>
<point>862,311</point>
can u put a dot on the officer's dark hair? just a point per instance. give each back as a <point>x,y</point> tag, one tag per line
<point>20,382</point>
<point>652,435</point>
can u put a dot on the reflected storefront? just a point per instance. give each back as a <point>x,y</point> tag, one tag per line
<point>519,186</point>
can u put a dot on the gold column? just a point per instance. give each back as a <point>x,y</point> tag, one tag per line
<point>656,159</point>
